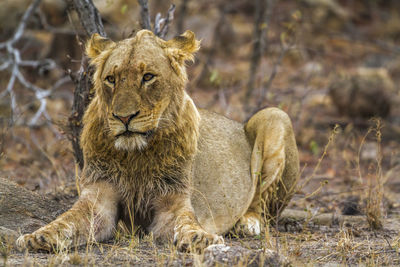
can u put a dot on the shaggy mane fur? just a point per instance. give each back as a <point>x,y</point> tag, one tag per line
<point>162,166</point>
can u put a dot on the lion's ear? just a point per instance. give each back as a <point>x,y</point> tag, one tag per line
<point>97,44</point>
<point>182,47</point>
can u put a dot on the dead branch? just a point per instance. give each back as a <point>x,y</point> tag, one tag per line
<point>267,85</point>
<point>144,15</point>
<point>89,17</point>
<point>161,24</point>
<point>262,17</point>
<point>22,25</point>
<point>13,63</point>
<point>327,219</point>
<point>45,24</point>
<point>91,22</point>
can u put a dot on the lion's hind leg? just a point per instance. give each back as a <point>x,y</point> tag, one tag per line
<point>274,164</point>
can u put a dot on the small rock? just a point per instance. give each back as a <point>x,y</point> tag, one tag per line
<point>216,255</point>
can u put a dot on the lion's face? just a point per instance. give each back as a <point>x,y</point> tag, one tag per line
<point>136,80</point>
<point>136,85</point>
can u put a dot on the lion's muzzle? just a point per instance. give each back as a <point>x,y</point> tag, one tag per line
<point>126,119</point>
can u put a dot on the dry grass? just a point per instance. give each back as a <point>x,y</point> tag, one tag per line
<point>374,179</point>
<point>375,193</point>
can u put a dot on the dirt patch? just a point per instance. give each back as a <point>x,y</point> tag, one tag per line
<point>315,244</point>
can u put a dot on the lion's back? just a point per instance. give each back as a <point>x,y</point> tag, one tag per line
<point>222,181</point>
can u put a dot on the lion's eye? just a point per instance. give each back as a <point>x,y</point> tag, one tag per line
<point>110,79</point>
<point>147,77</point>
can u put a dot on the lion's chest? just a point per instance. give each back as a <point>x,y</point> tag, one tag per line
<point>140,183</point>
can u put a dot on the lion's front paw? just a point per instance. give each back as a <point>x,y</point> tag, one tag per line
<point>39,240</point>
<point>195,240</point>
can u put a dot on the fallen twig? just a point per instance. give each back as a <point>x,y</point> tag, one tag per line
<point>327,219</point>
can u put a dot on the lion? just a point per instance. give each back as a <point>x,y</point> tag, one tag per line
<point>157,163</point>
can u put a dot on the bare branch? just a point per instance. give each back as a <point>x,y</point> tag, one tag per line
<point>263,14</point>
<point>40,111</point>
<point>157,23</point>
<point>13,64</point>
<point>21,27</point>
<point>29,85</point>
<point>144,15</point>
<point>89,17</point>
<point>267,85</point>
<point>10,90</point>
<point>170,16</point>
<point>50,28</point>
<point>5,64</point>
<point>160,24</point>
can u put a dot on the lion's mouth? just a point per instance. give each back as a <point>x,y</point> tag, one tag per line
<point>128,133</point>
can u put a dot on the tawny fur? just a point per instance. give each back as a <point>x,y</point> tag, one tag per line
<point>181,173</point>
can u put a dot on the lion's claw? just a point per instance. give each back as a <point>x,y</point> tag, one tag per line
<point>249,225</point>
<point>196,240</point>
<point>36,241</point>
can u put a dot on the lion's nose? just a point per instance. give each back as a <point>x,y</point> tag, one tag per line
<point>126,119</point>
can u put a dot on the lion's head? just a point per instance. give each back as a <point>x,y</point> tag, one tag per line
<point>140,83</point>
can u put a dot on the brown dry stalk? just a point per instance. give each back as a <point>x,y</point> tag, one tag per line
<point>262,17</point>
<point>375,193</point>
<point>331,139</point>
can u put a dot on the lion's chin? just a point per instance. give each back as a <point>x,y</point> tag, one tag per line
<point>131,143</point>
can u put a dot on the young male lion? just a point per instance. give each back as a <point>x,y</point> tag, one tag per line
<point>153,160</point>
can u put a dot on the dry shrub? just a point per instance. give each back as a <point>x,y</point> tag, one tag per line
<point>375,180</point>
